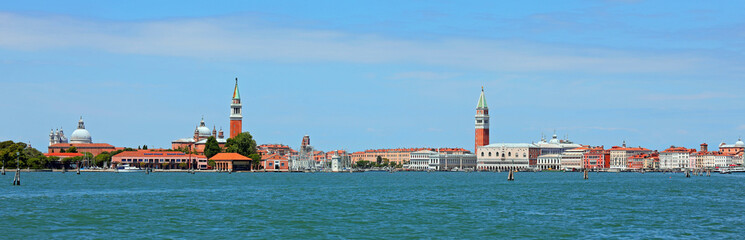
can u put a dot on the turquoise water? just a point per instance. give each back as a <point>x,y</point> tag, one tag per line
<point>371,205</point>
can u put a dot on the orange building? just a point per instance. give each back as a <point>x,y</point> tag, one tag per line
<point>231,162</point>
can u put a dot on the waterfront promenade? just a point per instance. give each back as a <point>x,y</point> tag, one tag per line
<point>373,205</point>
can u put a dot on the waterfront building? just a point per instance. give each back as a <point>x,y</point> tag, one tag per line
<point>482,122</point>
<point>596,158</point>
<point>549,162</point>
<point>643,161</point>
<point>722,159</point>
<point>275,163</point>
<point>431,160</point>
<point>619,155</point>
<point>80,139</point>
<point>399,155</point>
<point>159,159</point>
<point>572,159</point>
<point>236,116</point>
<point>63,155</point>
<point>198,141</point>
<point>506,156</point>
<point>231,162</point>
<point>733,149</point>
<point>675,157</point>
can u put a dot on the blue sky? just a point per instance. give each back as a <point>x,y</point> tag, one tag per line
<point>376,74</point>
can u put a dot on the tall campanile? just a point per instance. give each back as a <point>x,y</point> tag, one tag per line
<point>482,122</point>
<point>236,119</point>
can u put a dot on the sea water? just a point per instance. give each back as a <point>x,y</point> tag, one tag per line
<point>402,205</point>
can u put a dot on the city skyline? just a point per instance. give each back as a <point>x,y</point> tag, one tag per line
<point>371,75</point>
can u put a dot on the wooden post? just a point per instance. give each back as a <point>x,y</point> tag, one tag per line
<point>510,176</point>
<point>17,178</point>
<point>688,174</point>
<point>586,176</point>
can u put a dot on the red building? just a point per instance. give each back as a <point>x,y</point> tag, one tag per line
<point>93,148</point>
<point>236,117</point>
<point>275,163</point>
<point>596,158</point>
<point>482,122</point>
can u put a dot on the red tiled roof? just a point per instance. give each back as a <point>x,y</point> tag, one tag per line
<point>273,157</point>
<point>229,156</point>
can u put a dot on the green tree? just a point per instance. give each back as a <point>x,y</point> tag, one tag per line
<point>183,165</point>
<point>379,160</point>
<point>144,147</point>
<point>72,149</point>
<point>102,159</point>
<point>211,148</point>
<point>211,163</point>
<point>255,160</point>
<point>242,144</point>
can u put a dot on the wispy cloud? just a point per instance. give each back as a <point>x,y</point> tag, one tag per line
<point>241,38</point>
<point>688,97</point>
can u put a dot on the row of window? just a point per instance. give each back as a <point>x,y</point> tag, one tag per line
<point>509,154</point>
<point>160,160</point>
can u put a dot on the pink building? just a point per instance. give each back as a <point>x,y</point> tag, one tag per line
<point>159,159</point>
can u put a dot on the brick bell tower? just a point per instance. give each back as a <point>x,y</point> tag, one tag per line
<point>482,122</point>
<point>236,119</point>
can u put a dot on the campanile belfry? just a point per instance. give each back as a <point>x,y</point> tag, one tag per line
<point>482,122</point>
<point>236,118</point>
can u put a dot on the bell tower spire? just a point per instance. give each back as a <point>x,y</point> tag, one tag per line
<point>236,117</point>
<point>482,122</point>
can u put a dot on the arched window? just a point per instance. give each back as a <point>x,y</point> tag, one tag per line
<point>509,154</point>
<point>482,154</point>
<point>489,154</point>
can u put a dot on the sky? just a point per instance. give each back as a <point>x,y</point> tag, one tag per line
<point>359,75</point>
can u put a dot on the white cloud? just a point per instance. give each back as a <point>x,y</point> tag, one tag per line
<point>242,38</point>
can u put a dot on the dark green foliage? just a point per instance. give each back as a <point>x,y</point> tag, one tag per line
<point>211,148</point>
<point>242,144</point>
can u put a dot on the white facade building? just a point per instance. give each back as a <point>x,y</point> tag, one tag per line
<point>675,158</point>
<point>572,159</point>
<point>549,161</point>
<point>430,160</point>
<point>505,156</point>
<point>619,155</point>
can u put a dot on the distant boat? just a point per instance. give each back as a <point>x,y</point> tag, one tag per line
<point>124,168</point>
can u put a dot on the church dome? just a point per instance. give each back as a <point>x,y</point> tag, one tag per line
<point>203,130</point>
<point>554,140</point>
<point>739,143</point>
<point>80,135</point>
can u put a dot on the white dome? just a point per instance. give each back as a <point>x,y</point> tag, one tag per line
<point>204,131</point>
<point>739,143</point>
<point>554,140</point>
<point>80,136</point>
